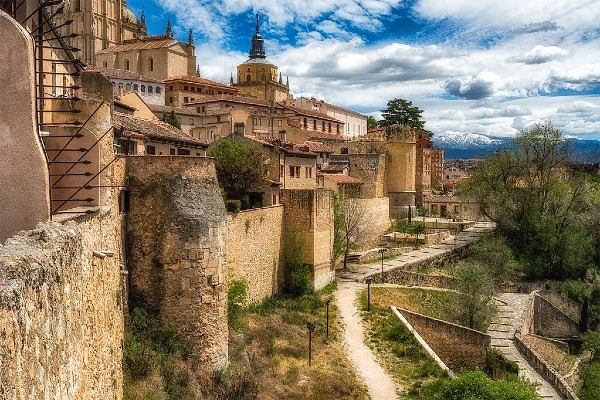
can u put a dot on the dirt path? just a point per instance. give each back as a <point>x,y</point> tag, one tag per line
<point>502,330</point>
<point>379,383</point>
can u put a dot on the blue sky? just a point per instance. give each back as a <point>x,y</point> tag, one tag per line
<point>487,66</point>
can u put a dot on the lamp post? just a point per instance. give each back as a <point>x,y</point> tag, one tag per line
<point>369,280</point>
<point>327,319</point>
<point>382,251</point>
<point>311,328</point>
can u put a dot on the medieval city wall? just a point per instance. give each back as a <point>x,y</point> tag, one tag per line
<point>375,222</point>
<point>457,346</point>
<point>61,316</point>
<point>550,321</point>
<point>563,303</point>
<point>254,251</point>
<point>177,242</point>
<point>369,168</point>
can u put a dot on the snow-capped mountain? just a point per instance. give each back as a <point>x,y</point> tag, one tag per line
<point>459,140</point>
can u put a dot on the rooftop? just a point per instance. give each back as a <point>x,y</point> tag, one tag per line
<point>309,113</point>
<point>154,129</point>
<point>317,147</point>
<point>343,179</point>
<point>196,79</point>
<point>233,99</point>
<point>116,73</point>
<point>141,44</point>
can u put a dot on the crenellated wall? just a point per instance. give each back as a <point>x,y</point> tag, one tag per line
<point>177,233</point>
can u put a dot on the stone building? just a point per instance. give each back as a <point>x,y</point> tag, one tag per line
<point>183,89</point>
<point>430,168</point>
<point>157,57</point>
<point>258,77</point>
<point>354,122</point>
<point>151,91</point>
<point>100,24</point>
<point>304,124</point>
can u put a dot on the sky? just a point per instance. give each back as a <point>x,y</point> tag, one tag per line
<point>491,67</point>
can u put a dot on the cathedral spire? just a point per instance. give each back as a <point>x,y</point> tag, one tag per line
<point>231,79</point>
<point>169,29</point>
<point>143,23</point>
<point>198,70</point>
<point>258,44</point>
<point>287,81</point>
<point>191,38</point>
<point>280,79</point>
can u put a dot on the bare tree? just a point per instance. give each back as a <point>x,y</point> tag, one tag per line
<point>350,225</point>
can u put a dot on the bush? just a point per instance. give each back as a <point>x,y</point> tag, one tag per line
<point>233,206</point>
<point>298,279</point>
<point>236,297</point>
<point>497,366</point>
<point>590,381</point>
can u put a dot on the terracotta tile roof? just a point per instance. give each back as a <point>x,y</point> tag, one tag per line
<point>333,168</point>
<point>343,179</point>
<point>154,129</point>
<point>309,113</point>
<point>143,44</point>
<point>321,102</point>
<point>317,147</point>
<point>199,80</point>
<point>325,136</point>
<point>116,73</point>
<point>188,110</point>
<point>234,99</point>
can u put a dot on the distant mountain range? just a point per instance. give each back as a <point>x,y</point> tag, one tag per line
<point>474,145</point>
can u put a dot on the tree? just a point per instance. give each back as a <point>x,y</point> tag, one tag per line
<point>418,228</point>
<point>536,202</point>
<point>592,344</point>
<point>240,166</point>
<point>371,122</point>
<point>171,119</point>
<point>350,219</point>
<point>475,306</point>
<point>402,112</point>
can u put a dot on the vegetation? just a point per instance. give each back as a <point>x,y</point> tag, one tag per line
<point>240,166</point>
<point>402,112</point>
<point>349,217</point>
<point>171,119</point>
<point>371,122</point>
<point>415,228</point>
<point>236,297</point>
<point>297,274</point>
<point>540,205</point>
<point>475,308</point>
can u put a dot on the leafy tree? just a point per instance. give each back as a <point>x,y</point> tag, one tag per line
<point>536,202</point>
<point>171,119</point>
<point>371,122</point>
<point>475,306</point>
<point>418,228</point>
<point>592,344</point>
<point>240,166</point>
<point>402,112</point>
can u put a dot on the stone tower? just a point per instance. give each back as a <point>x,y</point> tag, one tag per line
<point>258,77</point>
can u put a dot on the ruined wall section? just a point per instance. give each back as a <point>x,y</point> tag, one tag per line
<point>61,317</point>
<point>254,251</point>
<point>177,243</point>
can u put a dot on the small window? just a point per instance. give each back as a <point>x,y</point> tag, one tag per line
<point>136,87</point>
<point>172,151</point>
<point>171,88</point>
<point>292,170</point>
<point>279,123</point>
<point>248,78</point>
<point>186,88</point>
<point>128,86</point>
<point>150,89</point>
<point>330,127</point>
<point>344,150</point>
<point>192,99</point>
<point>151,66</point>
<point>158,90</point>
<point>337,128</point>
<point>124,201</point>
<point>150,150</point>
<point>127,65</point>
<point>143,88</point>
<point>193,89</point>
<point>323,127</point>
<point>183,152</point>
<point>171,100</point>
<point>305,123</point>
<point>185,100</point>
<point>105,64</point>
<point>315,124</point>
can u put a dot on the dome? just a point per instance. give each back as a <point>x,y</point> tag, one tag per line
<point>129,16</point>
<point>258,61</point>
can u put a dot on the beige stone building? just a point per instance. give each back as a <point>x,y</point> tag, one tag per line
<point>183,89</point>
<point>258,77</point>
<point>150,90</point>
<point>355,123</point>
<point>100,24</point>
<point>304,124</point>
<point>157,57</point>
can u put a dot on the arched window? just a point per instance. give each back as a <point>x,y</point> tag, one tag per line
<point>135,87</point>
<point>127,65</point>
<point>158,90</point>
<point>150,89</point>
<point>128,86</point>
<point>143,88</point>
<point>151,66</point>
<point>248,78</point>
<point>263,77</point>
<point>105,64</point>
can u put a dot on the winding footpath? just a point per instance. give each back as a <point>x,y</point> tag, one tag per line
<point>379,384</point>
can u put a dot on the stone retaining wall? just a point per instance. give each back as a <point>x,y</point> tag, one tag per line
<point>457,346</point>
<point>563,303</point>
<point>253,250</point>
<point>551,322</point>
<point>415,279</point>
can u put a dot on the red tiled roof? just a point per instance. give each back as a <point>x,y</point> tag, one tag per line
<point>325,136</point>
<point>199,80</point>
<point>310,113</point>
<point>140,45</point>
<point>346,110</point>
<point>317,147</point>
<point>116,73</point>
<point>343,179</point>
<point>233,99</point>
<point>155,129</point>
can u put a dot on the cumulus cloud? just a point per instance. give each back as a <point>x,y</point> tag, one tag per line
<point>540,55</point>
<point>478,87</point>
<point>580,78</point>
<point>506,111</point>
<point>580,108</point>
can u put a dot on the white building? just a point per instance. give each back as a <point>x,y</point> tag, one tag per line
<point>355,123</point>
<point>150,90</point>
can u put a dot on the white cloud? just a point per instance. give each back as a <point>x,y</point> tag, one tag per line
<point>540,55</point>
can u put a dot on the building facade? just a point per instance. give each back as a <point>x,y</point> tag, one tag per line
<point>355,123</point>
<point>150,90</point>
<point>183,89</point>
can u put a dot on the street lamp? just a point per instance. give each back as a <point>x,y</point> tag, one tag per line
<point>311,328</point>
<point>327,323</point>
<point>369,280</point>
<point>382,251</point>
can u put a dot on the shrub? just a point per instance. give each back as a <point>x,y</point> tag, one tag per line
<point>236,297</point>
<point>497,366</point>
<point>233,206</point>
<point>590,381</point>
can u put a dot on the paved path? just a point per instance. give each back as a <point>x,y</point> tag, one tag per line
<point>502,330</point>
<point>379,383</point>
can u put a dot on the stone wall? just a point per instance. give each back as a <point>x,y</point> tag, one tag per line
<point>457,346</point>
<point>176,240</point>
<point>563,303</point>
<point>253,250</point>
<point>61,317</point>
<point>551,322</point>
<point>400,277</point>
<point>311,213</point>
<point>369,168</point>
<point>375,222</point>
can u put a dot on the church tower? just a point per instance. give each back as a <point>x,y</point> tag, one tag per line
<point>258,77</point>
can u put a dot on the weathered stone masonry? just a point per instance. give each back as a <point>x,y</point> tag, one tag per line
<point>176,240</point>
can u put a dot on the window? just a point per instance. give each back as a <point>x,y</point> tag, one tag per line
<point>127,65</point>
<point>308,171</point>
<point>186,88</point>
<point>124,201</point>
<point>171,88</point>
<point>185,99</point>
<point>248,78</point>
<point>323,129</point>
<point>158,90</point>
<point>183,152</point>
<point>192,99</point>
<point>294,172</point>
<point>105,64</point>
<point>128,86</point>
<point>219,92</point>
<point>150,88</point>
<point>172,151</point>
<point>203,108</point>
<point>314,124</point>
<point>193,89</point>
<point>126,146</point>
<point>279,123</point>
<point>171,100</point>
<point>274,199</point>
<point>344,150</point>
<point>330,127</point>
<point>136,87</point>
<point>151,150</point>
<point>143,88</point>
<point>281,171</point>
<point>305,123</point>
<point>151,64</point>
<point>337,128</point>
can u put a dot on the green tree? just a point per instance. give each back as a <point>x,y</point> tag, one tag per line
<point>297,275</point>
<point>240,166</point>
<point>371,122</point>
<point>592,344</point>
<point>475,306</point>
<point>402,112</point>
<point>171,119</point>
<point>536,202</point>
